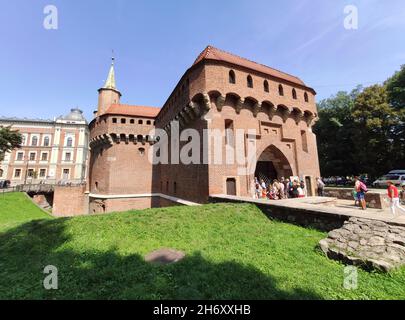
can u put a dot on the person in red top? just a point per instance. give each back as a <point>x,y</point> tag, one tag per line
<point>393,194</point>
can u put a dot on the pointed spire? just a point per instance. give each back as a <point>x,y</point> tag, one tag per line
<point>110,82</point>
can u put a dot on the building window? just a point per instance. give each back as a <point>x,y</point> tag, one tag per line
<point>304,140</point>
<point>132,121</point>
<point>65,174</point>
<point>46,141</point>
<point>32,156</point>
<point>167,186</point>
<point>44,156</point>
<point>148,122</point>
<point>294,94</point>
<point>24,140</point>
<point>69,142</point>
<point>306,97</point>
<point>141,151</point>
<point>249,81</point>
<point>30,173</point>
<point>114,120</point>
<point>266,86</point>
<point>232,78</point>
<point>123,120</point>
<point>229,132</point>
<point>17,173</point>
<point>280,90</point>
<point>174,187</point>
<point>140,122</point>
<point>34,141</point>
<point>20,156</point>
<point>68,156</point>
<point>42,173</point>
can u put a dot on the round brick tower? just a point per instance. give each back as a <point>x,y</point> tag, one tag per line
<point>120,174</point>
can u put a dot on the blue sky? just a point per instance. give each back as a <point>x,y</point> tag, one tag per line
<point>44,73</point>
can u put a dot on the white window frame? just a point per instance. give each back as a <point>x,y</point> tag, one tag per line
<point>16,156</point>
<point>62,173</point>
<point>50,140</point>
<point>20,177</point>
<point>38,140</point>
<point>29,156</point>
<point>39,173</point>
<point>47,157</point>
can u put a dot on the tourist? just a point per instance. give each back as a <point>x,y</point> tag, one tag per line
<point>393,194</point>
<point>320,185</point>
<point>258,190</point>
<point>361,189</point>
<point>354,193</point>
<point>282,188</point>
<point>286,187</point>
<point>294,191</point>
<point>301,191</point>
<point>402,194</point>
<point>303,187</point>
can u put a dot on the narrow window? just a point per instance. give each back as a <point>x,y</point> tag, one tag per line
<point>17,173</point>
<point>229,132</point>
<point>69,142</point>
<point>148,122</point>
<point>32,156</point>
<point>231,186</point>
<point>44,156</point>
<point>304,140</point>
<point>34,141</point>
<point>140,122</point>
<point>42,173</point>
<point>68,156</point>
<point>24,140</point>
<point>20,156</point>
<point>294,94</point>
<point>46,141</point>
<point>249,81</point>
<point>232,78</point>
<point>132,121</point>
<point>175,188</point>
<point>306,97</point>
<point>167,186</point>
<point>114,120</point>
<point>30,173</point>
<point>280,90</point>
<point>65,174</point>
<point>266,86</point>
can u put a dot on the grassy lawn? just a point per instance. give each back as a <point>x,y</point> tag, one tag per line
<point>233,251</point>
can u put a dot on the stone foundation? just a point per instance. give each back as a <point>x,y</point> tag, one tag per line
<point>367,243</point>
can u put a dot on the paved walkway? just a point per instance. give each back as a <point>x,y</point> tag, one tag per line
<point>325,205</point>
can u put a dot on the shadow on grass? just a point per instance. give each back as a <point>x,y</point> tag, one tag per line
<point>84,274</point>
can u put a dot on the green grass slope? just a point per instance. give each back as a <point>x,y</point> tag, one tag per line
<point>16,208</point>
<point>232,252</point>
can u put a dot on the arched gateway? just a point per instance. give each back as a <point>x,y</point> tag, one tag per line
<point>272,164</point>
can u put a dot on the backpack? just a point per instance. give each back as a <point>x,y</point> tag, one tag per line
<point>363,187</point>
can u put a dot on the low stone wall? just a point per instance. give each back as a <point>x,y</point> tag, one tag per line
<point>367,243</point>
<point>374,199</point>
<point>299,215</point>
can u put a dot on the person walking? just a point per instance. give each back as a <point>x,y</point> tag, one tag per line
<point>402,194</point>
<point>393,194</point>
<point>321,185</point>
<point>361,190</point>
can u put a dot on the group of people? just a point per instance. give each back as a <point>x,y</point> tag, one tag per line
<point>279,189</point>
<point>395,196</point>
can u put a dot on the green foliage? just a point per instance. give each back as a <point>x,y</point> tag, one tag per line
<point>363,131</point>
<point>9,139</point>
<point>233,251</point>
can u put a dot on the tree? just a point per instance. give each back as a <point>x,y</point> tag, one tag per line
<point>9,140</point>
<point>374,121</point>
<point>334,131</point>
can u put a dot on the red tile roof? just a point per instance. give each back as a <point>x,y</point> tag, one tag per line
<point>128,110</point>
<point>211,53</point>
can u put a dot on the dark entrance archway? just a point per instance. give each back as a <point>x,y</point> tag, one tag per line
<point>272,164</point>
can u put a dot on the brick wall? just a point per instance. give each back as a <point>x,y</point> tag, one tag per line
<point>70,201</point>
